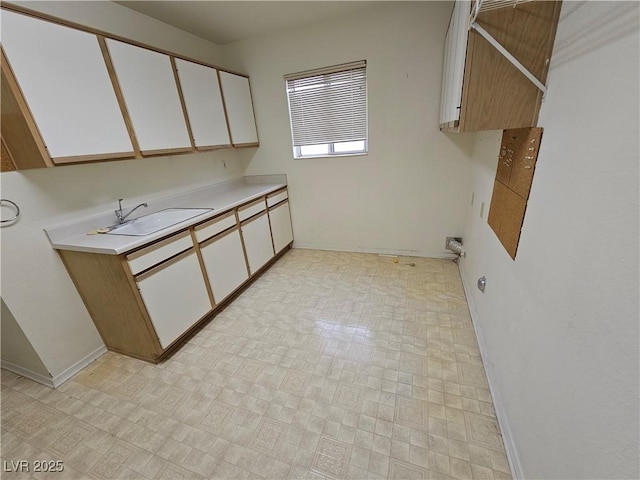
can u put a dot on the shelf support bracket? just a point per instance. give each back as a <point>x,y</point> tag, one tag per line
<point>516,63</point>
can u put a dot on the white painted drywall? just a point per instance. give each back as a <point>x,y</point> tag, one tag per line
<point>35,285</point>
<point>16,349</point>
<point>559,325</point>
<point>409,192</point>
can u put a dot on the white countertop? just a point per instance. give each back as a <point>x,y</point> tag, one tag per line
<point>219,197</point>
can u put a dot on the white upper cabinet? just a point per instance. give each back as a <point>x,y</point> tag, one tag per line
<point>150,93</point>
<point>202,98</point>
<point>64,79</point>
<point>237,99</point>
<point>454,59</point>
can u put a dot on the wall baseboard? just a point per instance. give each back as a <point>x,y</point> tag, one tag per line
<point>30,374</point>
<point>54,382</point>
<point>503,422</point>
<point>79,365</point>
<point>378,251</point>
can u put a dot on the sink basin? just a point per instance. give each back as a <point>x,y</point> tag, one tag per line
<point>155,222</point>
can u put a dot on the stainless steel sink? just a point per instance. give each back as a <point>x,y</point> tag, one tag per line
<point>155,222</point>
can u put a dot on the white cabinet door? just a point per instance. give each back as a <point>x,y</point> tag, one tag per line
<point>175,296</point>
<point>237,98</point>
<point>150,92</point>
<point>454,60</point>
<point>65,81</point>
<point>281,226</point>
<point>224,261</point>
<point>257,242</point>
<point>201,92</point>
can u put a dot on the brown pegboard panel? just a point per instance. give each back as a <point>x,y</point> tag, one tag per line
<point>517,159</point>
<point>514,176</point>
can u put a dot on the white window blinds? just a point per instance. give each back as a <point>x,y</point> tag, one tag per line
<point>328,105</point>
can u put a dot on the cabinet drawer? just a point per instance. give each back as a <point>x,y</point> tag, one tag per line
<point>215,226</point>
<point>158,252</point>
<point>277,197</point>
<point>252,209</point>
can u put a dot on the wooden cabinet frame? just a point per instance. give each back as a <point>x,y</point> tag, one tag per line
<point>495,94</point>
<point>20,134</point>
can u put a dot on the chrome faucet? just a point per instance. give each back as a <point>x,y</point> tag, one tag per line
<point>121,216</point>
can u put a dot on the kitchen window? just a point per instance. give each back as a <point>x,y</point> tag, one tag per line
<point>328,110</point>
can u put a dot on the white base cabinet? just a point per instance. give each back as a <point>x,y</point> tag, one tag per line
<point>175,296</point>
<point>281,231</point>
<point>225,264</point>
<point>257,242</point>
<point>146,301</point>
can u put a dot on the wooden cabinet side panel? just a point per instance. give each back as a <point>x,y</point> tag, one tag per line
<point>496,95</point>
<point>113,303</point>
<point>6,162</point>
<point>19,131</point>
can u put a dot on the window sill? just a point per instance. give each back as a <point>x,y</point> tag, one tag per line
<point>334,155</point>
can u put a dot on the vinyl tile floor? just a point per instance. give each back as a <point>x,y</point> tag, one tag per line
<point>330,365</point>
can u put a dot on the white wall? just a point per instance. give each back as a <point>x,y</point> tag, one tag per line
<point>409,192</point>
<point>16,349</point>
<point>559,325</point>
<point>35,285</point>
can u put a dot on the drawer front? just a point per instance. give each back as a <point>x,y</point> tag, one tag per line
<point>277,197</point>
<point>252,209</point>
<point>215,226</point>
<point>159,252</point>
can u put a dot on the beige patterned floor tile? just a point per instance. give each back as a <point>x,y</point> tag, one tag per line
<point>132,386</point>
<point>331,458</point>
<point>109,465</point>
<point>330,365</point>
<point>215,419</point>
<point>174,472</point>
<point>269,435</point>
<point>411,412</point>
<point>349,396</point>
<point>249,370</point>
<point>412,363</point>
<point>483,431</point>
<point>403,471</point>
<point>472,375</point>
<point>295,382</point>
<point>65,444</point>
<point>38,418</point>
